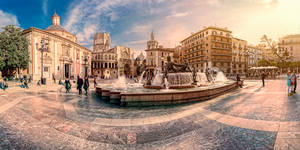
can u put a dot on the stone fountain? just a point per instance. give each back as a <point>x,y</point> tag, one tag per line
<point>177,83</point>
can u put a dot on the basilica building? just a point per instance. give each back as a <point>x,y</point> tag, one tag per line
<point>55,52</point>
<point>110,63</point>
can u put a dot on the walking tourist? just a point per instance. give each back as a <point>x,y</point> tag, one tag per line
<point>263,76</point>
<point>54,78</point>
<point>30,79</point>
<point>238,80</point>
<point>295,81</point>
<point>289,82</point>
<point>68,85</point>
<point>38,83</point>
<point>79,84</point>
<point>86,85</point>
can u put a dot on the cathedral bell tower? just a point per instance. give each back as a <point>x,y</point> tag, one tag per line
<point>152,44</point>
<point>55,19</point>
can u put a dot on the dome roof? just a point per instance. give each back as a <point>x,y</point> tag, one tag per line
<point>55,27</point>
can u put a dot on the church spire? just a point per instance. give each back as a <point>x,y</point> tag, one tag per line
<point>152,36</point>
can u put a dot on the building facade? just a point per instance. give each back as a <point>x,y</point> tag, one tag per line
<point>255,55</point>
<point>178,55</point>
<point>109,63</point>
<point>239,56</point>
<point>125,57</point>
<point>156,56</point>
<point>64,58</point>
<point>291,43</point>
<point>101,42</point>
<point>105,64</point>
<point>210,47</point>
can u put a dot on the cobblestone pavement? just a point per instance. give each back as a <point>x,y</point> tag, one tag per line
<point>249,118</point>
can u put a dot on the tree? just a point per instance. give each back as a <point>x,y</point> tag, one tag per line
<point>280,54</point>
<point>13,50</point>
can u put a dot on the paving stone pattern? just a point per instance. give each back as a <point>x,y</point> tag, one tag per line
<point>249,118</point>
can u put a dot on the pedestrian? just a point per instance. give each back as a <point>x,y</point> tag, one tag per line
<point>263,76</point>
<point>86,85</point>
<point>3,85</point>
<point>30,78</point>
<point>60,82</point>
<point>39,83</point>
<point>95,82</point>
<point>26,84</point>
<point>54,78</point>
<point>79,84</point>
<point>238,80</point>
<point>289,82</point>
<point>295,81</point>
<point>68,85</point>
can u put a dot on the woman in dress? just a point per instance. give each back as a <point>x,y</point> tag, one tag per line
<point>289,83</point>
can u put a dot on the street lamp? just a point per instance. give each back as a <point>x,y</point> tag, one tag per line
<point>85,63</point>
<point>44,48</point>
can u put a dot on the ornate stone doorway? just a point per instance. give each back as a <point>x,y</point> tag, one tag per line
<point>67,70</point>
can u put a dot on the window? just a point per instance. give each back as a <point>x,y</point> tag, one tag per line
<point>162,54</point>
<point>46,69</point>
<point>150,53</point>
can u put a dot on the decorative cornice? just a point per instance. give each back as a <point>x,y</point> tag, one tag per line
<point>32,29</point>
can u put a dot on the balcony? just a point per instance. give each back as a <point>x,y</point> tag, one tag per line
<point>199,56</point>
<point>223,42</point>
<point>214,47</point>
<point>221,54</point>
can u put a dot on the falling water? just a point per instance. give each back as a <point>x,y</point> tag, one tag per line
<point>201,78</point>
<point>121,83</point>
<point>142,78</point>
<point>158,79</point>
<point>166,83</point>
<point>220,77</point>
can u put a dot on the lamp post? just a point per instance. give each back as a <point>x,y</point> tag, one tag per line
<point>85,64</point>
<point>44,48</point>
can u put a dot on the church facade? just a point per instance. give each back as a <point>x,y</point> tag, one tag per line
<point>64,58</point>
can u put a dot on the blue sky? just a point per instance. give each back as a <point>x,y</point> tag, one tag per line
<point>130,22</point>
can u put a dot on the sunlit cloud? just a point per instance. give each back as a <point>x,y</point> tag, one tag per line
<point>45,7</point>
<point>7,19</point>
<point>130,22</point>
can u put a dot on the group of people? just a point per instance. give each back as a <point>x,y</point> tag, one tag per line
<point>291,83</point>
<point>80,83</point>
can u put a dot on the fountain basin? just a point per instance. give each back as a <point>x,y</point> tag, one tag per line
<point>115,97</point>
<point>170,87</point>
<point>105,94</point>
<point>150,97</point>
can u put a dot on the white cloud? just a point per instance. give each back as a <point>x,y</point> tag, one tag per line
<point>113,16</point>
<point>45,7</point>
<point>140,28</point>
<point>176,15</point>
<point>87,33</point>
<point>7,19</point>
